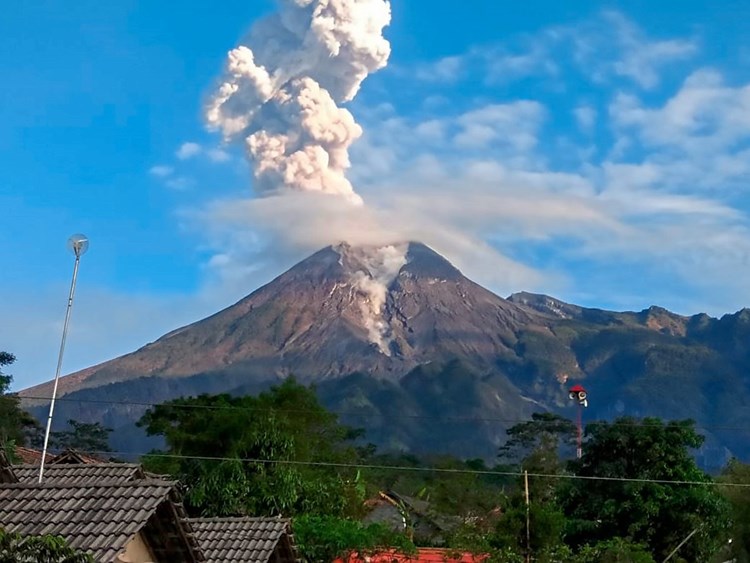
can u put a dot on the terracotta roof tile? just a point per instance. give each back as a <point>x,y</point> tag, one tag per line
<point>28,455</point>
<point>423,555</point>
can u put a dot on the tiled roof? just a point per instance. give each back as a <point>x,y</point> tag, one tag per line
<point>243,539</point>
<point>72,474</point>
<point>27,455</point>
<point>99,508</point>
<point>74,456</point>
<point>99,518</point>
<point>31,456</point>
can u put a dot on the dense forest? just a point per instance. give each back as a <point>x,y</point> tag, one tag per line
<point>636,493</point>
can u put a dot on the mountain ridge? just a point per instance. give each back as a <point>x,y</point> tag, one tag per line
<point>401,323</point>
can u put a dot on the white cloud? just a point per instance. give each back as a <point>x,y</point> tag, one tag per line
<point>218,155</point>
<point>704,114</point>
<point>447,69</point>
<point>179,183</point>
<point>697,139</point>
<point>536,59</point>
<point>642,58</point>
<point>585,117</point>
<point>161,171</point>
<point>612,45</point>
<point>188,150</point>
<point>603,47</point>
<point>514,125</point>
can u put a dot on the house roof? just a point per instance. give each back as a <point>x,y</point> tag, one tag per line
<point>74,456</point>
<point>242,539</point>
<point>31,456</point>
<point>102,517</point>
<point>28,455</point>
<point>71,474</point>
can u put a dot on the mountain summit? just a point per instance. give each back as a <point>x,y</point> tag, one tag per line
<point>398,336</point>
<point>345,309</point>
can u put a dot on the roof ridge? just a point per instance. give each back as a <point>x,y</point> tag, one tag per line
<point>74,483</point>
<point>81,466</point>
<point>239,519</point>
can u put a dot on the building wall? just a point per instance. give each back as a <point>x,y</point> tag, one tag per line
<point>137,551</point>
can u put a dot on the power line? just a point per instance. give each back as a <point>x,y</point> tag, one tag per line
<point>356,414</point>
<point>445,470</point>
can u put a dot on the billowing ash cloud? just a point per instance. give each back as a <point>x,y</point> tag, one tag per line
<point>282,86</point>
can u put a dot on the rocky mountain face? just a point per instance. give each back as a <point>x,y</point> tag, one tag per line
<point>405,346</point>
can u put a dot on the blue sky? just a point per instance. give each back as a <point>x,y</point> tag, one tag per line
<point>596,152</point>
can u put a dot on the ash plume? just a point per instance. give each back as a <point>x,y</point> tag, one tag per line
<point>380,266</point>
<point>281,88</point>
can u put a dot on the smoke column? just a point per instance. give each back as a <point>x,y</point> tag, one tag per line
<point>282,85</point>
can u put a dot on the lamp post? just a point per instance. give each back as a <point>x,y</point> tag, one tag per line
<point>78,244</point>
<point>578,393</point>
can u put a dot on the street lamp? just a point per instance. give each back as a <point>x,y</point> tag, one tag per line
<point>78,244</point>
<point>578,393</point>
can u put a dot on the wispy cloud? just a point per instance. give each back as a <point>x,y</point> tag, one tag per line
<point>188,150</point>
<point>616,174</point>
<point>606,46</point>
<point>179,183</point>
<point>218,155</point>
<point>161,171</point>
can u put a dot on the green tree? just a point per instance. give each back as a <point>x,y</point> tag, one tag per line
<point>739,497</point>
<point>257,455</point>
<point>537,443</point>
<point>83,436</point>
<point>625,464</point>
<point>324,538</point>
<point>546,525</point>
<point>15,548</point>
<point>615,550</point>
<point>16,425</point>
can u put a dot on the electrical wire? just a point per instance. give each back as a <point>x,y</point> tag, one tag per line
<point>355,414</point>
<point>443,470</point>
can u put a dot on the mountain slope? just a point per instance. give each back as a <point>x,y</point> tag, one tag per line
<point>401,342</point>
<point>318,321</point>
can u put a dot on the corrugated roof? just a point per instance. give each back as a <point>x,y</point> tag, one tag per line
<point>81,474</point>
<point>99,518</point>
<point>241,539</point>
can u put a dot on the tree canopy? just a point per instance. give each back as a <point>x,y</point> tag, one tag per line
<point>82,436</point>
<point>626,488</point>
<point>16,425</point>
<point>738,473</point>
<point>635,495</point>
<point>15,548</point>
<point>257,455</point>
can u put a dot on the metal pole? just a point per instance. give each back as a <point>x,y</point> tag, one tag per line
<point>683,542</point>
<point>59,364</point>
<point>528,517</point>
<point>579,441</point>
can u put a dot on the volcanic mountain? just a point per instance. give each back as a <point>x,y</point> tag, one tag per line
<point>423,358</point>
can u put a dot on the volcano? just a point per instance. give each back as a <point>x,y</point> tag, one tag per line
<point>342,310</point>
<point>423,358</point>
